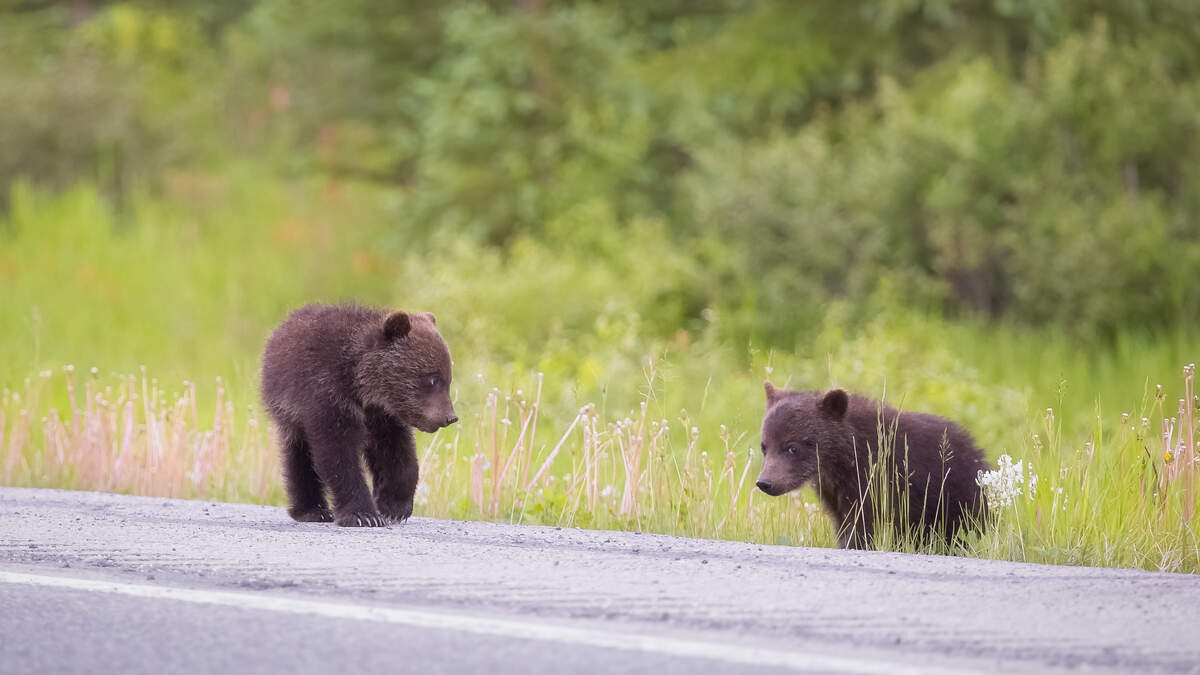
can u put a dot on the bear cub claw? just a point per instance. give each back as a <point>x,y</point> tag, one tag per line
<point>361,519</point>
<point>396,513</point>
<point>317,515</point>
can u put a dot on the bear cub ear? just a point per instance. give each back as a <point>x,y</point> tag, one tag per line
<point>397,325</point>
<point>772,393</point>
<point>835,403</point>
<point>429,315</point>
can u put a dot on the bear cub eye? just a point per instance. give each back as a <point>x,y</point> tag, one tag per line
<point>791,449</point>
<point>431,382</point>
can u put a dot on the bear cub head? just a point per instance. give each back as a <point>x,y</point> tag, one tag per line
<point>406,372</point>
<point>801,430</point>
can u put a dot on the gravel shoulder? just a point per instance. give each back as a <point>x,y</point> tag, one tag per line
<point>891,608</point>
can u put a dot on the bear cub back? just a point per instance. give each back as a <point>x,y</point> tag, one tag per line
<point>871,463</point>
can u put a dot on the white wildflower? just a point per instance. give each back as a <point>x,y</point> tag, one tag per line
<point>421,497</point>
<point>607,491</point>
<point>1002,486</point>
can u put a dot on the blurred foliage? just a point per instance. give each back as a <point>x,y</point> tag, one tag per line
<point>1035,159</point>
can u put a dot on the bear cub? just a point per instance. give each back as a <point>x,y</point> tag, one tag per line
<point>344,384</point>
<point>926,476</point>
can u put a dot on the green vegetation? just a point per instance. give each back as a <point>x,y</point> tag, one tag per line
<point>980,209</point>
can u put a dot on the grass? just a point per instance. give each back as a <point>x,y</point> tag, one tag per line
<point>130,436</point>
<point>586,401</point>
<point>1122,498</point>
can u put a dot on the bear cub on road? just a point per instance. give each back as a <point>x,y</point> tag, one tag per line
<point>926,479</point>
<point>344,383</point>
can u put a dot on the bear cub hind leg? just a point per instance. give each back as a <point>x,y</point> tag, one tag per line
<point>306,494</point>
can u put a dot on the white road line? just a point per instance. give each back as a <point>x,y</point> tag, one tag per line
<point>523,630</point>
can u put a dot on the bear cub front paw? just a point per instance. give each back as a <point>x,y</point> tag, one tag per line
<point>361,519</point>
<point>395,512</point>
<point>318,514</point>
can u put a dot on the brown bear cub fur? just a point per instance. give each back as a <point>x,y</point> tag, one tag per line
<point>347,383</point>
<point>925,483</point>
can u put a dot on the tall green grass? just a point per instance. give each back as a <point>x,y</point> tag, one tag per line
<point>585,399</point>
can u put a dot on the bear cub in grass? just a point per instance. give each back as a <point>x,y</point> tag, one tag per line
<point>925,483</point>
<point>345,384</point>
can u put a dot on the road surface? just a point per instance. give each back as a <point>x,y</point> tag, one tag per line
<point>103,583</point>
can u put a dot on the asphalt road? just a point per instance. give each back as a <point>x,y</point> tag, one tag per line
<point>103,583</point>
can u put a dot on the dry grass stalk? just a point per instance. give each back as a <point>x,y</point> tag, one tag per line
<point>163,451</point>
<point>632,441</point>
<point>545,468</point>
<point>1189,424</point>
